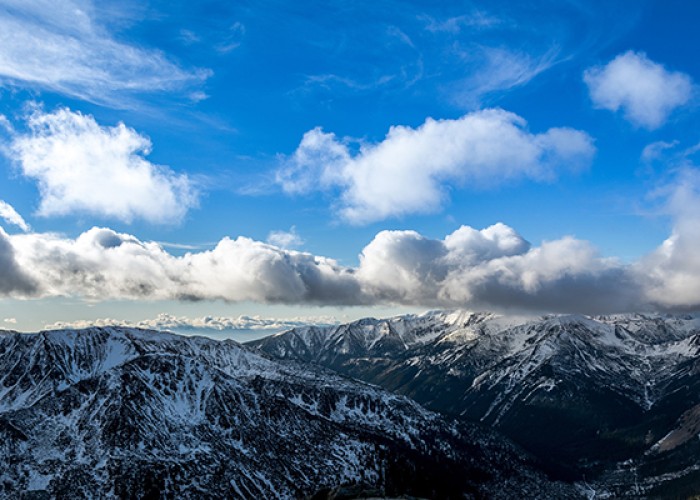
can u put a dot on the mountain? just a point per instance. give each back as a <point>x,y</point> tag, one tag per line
<point>128,413</point>
<point>610,398</point>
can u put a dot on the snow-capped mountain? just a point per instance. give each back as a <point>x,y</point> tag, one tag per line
<point>585,394</point>
<point>128,413</point>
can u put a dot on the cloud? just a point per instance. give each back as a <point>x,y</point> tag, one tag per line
<point>499,69</point>
<point>410,170</point>
<point>454,25</point>
<point>231,39</point>
<point>166,321</point>
<point>10,215</point>
<point>493,268</point>
<point>672,272</point>
<point>285,239</point>
<point>83,167</point>
<point>12,321</point>
<point>645,91</point>
<point>656,150</point>
<point>67,47</point>
<point>102,264</point>
<point>13,279</point>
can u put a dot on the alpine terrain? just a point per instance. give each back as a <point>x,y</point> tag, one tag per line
<point>128,413</point>
<point>610,401</point>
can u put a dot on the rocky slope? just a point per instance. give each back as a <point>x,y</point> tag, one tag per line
<point>614,397</point>
<point>114,412</point>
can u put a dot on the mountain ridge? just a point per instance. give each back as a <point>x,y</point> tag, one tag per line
<point>583,393</point>
<point>122,412</point>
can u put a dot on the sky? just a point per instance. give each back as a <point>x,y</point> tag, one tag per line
<point>247,166</point>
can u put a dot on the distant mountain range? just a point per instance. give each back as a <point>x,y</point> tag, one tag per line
<point>127,413</point>
<point>612,402</point>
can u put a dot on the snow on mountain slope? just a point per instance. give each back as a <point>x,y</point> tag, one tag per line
<point>580,392</point>
<point>116,412</point>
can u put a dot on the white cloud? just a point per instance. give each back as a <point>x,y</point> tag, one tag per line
<point>5,124</point>
<point>492,268</point>
<point>14,281</point>
<point>12,321</point>
<point>10,215</point>
<point>285,239</point>
<point>411,169</point>
<point>67,47</point>
<point>645,91</point>
<point>83,167</point>
<point>672,272</point>
<point>656,150</point>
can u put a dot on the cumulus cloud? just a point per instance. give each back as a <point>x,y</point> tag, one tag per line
<point>83,167</point>
<point>492,268</point>
<point>67,47</point>
<point>10,215</point>
<point>410,170</point>
<point>285,239</point>
<point>13,280</point>
<point>164,321</point>
<point>103,264</point>
<point>643,90</point>
<point>672,272</point>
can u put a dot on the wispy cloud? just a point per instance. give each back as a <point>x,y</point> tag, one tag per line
<point>67,47</point>
<point>645,91</point>
<point>407,172</point>
<point>102,263</point>
<point>455,24</point>
<point>83,167</point>
<point>285,239</point>
<point>231,38</point>
<point>10,215</point>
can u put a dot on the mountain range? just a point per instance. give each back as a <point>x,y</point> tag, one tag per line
<point>447,404</point>
<point>612,402</point>
<point>128,413</point>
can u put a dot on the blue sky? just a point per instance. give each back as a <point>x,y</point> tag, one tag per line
<point>338,159</point>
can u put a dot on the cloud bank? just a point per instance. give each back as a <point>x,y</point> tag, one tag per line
<point>85,168</point>
<point>492,268</point>
<point>410,170</point>
<point>643,90</point>
<point>67,47</point>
